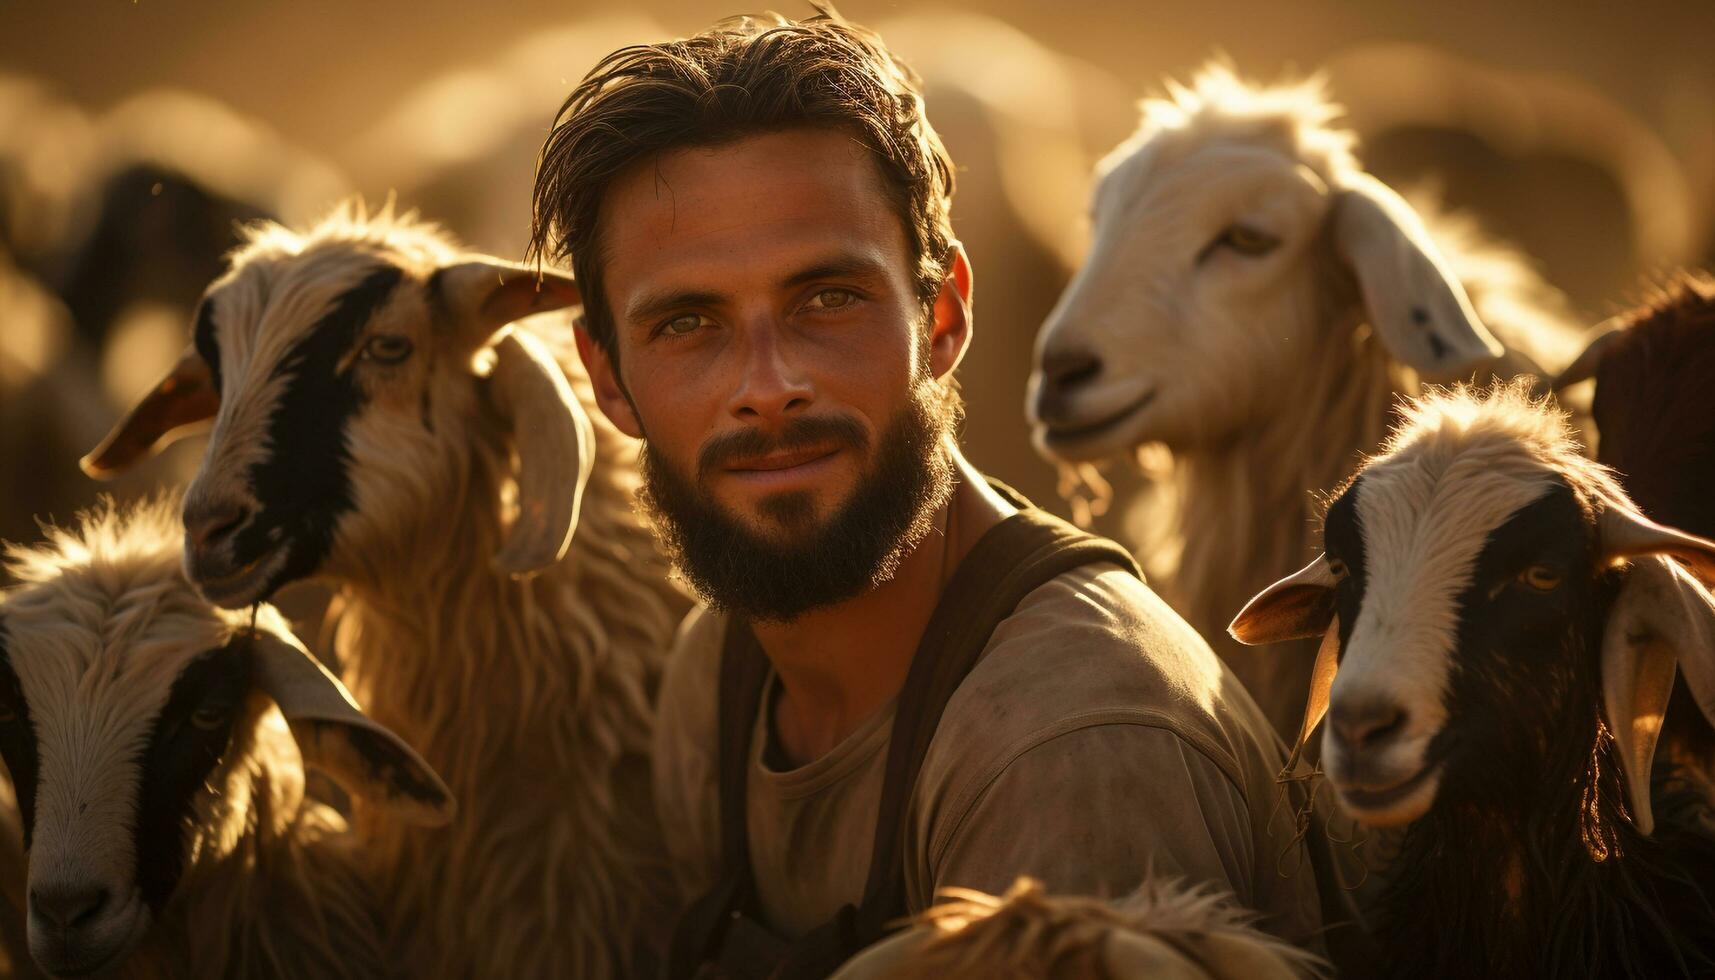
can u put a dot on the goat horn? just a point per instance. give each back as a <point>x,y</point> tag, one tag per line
<point>1584,366</point>
<point>556,451</point>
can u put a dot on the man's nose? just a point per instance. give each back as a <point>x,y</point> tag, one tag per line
<point>772,387</point>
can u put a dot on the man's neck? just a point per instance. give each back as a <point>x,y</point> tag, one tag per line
<point>838,666</point>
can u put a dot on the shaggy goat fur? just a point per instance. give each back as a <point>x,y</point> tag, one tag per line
<point>1655,404</point>
<point>270,888</point>
<point>1284,398</point>
<point>1654,407</point>
<point>531,696</point>
<point>1170,929</point>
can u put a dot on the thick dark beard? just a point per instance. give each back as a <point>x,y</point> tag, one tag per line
<point>737,571</point>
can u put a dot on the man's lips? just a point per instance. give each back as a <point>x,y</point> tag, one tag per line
<point>781,461</point>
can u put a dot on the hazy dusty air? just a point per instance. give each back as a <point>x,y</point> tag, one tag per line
<point>1583,138</point>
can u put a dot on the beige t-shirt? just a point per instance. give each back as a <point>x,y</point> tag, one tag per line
<point>1098,740</point>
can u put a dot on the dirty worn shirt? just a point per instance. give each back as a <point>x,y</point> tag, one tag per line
<point>1097,741</point>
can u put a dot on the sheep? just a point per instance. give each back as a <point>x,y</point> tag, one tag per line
<point>1163,930</point>
<point>371,400</point>
<point>158,744</point>
<point>1492,680</point>
<point>1252,301</point>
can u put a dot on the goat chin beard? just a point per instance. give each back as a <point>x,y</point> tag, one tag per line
<point>1392,806</point>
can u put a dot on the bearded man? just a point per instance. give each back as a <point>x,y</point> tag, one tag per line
<point>905,677</point>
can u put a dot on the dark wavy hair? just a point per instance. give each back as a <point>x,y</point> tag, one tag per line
<point>743,77</point>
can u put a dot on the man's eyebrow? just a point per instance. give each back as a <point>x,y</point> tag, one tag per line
<point>837,267</point>
<point>651,305</point>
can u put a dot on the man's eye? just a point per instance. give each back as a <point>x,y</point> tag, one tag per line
<point>681,325</point>
<point>832,299</point>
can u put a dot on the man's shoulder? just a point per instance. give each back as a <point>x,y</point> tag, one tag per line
<point>1095,646</point>
<point>1096,637</point>
<point>690,682</point>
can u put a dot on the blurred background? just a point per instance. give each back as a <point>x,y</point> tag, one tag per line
<point>134,135</point>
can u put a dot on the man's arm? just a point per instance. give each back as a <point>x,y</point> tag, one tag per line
<point>1094,811</point>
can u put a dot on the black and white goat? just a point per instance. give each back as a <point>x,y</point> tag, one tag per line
<point>379,427</point>
<point>157,745</point>
<point>1494,674</point>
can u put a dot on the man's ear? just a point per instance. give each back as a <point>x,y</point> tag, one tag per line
<point>604,381</point>
<point>951,331</point>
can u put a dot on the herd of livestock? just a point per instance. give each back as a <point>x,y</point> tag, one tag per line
<point>1380,482</point>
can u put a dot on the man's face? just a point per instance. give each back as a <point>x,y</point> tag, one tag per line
<point>770,339</point>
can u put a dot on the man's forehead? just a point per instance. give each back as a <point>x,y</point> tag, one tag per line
<point>750,201</point>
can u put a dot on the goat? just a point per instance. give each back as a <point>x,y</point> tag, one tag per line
<point>1165,929</point>
<point>157,746</point>
<point>1654,366</point>
<point>371,399</point>
<point>1494,682</point>
<point>1252,302</point>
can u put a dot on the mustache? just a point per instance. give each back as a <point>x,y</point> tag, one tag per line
<point>747,443</point>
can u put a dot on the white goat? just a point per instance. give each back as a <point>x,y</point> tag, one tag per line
<point>1252,302</point>
<point>158,744</point>
<point>1163,931</point>
<point>371,402</point>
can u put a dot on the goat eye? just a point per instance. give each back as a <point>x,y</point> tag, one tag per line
<point>7,715</point>
<point>387,348</point>
<point>211,716</point>
<point>1246,240</point>
<point>1338,569</point>
<point>1541,578</point>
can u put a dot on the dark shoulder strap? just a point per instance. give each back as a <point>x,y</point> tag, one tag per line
<point>717,921</point>
<point>744,673</point>
<point>1014,559</point>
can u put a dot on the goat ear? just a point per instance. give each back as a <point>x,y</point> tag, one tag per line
<point>1622,532</point>
<point>556,450</point>
<point>1662,618</point>
<point>184,398</point>
<point>1298,606</point>
<point>1416,306</point>
<point>1321,683</point>
<point>1586,364</point>
<point>485,294</point>
<point>334,735</point>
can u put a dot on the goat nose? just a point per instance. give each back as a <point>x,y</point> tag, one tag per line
<point>1367,724</point>
<point>69,906</point>
<point>1069,368</point>
<point>210,524</point>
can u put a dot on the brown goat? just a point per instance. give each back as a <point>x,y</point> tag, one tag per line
<point>1654,408</point>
